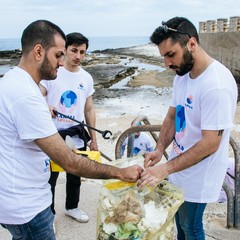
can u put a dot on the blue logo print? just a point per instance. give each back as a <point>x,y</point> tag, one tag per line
<point>189,101</point>
<point>180,120</point>
<point>68,99</point>
<point>180,125</point>
<point>81,86</point>
<point>47,165</point>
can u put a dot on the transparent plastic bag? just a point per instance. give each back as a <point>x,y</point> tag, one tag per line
<point>130,213</point>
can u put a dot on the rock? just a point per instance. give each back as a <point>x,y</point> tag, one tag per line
<point>10,58</point>
<point>106,75</point>
<point>11,54</point>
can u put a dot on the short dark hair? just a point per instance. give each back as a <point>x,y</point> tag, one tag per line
<point>77,39</point>
<point>40,32</point>
<point>180,24</point>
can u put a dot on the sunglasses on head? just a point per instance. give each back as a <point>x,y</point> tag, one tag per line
<point>165,29</point>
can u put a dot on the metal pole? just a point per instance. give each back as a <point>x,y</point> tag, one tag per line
<point>236,150</point>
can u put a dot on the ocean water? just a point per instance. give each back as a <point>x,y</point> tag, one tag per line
<point>95,43</point>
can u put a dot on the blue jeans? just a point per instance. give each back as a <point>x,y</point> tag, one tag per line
<point>39,228</point>
<point>189,221</point>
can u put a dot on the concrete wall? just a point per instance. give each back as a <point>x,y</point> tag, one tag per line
<point>225,47</point>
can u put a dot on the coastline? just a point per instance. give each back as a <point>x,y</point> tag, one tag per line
<point>147,93</point>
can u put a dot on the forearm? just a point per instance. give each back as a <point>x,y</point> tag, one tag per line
<point>90,117</point>
<point>78,165</point>
<point>166,134</point>
<point>207,146</point>
<point>91,169</point>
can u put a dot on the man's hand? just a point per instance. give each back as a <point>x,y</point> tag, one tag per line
<point>152,158</point>
<point>131,174</point>
<point>152,176</point>
<point>93,146</point>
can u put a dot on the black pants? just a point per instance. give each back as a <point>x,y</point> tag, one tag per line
<point>73,184</point>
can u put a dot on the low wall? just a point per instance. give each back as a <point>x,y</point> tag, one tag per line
<point>225,47</point>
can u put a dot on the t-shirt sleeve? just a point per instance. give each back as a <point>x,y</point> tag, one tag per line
<point>216,113</point>
<point>91,89</point>
<point>36,122</point>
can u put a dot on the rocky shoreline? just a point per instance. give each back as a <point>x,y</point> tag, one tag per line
<point>146,92</point>
<point>113,66</point>
<point>110,66</point>
<point>10,58</point>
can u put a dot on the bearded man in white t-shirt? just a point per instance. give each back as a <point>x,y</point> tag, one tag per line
<point>198,124</point>
<point>29,139</point>
<point>71,94</point>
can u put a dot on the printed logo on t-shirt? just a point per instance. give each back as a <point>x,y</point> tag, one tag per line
<point>180,126</point>
<point>136,150</point>
<point>81,86</point>
<point>47,165</point>
<point>67,105</point>
<point>68,101</point>
<point>189,101</point>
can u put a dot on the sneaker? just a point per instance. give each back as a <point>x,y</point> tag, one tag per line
<point>77,214</point>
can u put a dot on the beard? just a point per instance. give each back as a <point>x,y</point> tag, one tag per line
<point>46,71</point>
<point>187,64</point>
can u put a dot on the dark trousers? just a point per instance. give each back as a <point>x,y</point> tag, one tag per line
<point>73,184</point>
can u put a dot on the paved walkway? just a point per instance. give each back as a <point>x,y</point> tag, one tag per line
<point>69,229</point>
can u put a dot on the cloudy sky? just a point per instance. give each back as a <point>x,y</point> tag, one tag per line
<point>109,17</point>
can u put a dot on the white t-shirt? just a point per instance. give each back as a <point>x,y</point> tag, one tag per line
<point>205,103</point>
<point>25,170</point>
<point>68,94</point>
<point>142,143</point>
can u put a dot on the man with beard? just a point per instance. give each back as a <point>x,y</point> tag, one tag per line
<point>71,94</point>
<point>29,138</point>
<point>198,125</point>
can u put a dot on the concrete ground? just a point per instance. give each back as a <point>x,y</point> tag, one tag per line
<point>69,229</point>
<point>66,227</point>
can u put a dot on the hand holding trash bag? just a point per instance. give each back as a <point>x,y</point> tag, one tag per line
<point>152,158</point>
<point>152,176</point>
<point>127,212</point>
<point>130,174</point>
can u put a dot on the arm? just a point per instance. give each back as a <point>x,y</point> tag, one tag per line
<point>78,165</point>
<point>90,118</point>
<point>167,131</point>
<point>205,147</point>
<point>166,136</point>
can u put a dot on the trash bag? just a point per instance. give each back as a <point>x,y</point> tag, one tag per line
<point>127,212</point>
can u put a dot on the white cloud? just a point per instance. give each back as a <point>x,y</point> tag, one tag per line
<point>109,18</point>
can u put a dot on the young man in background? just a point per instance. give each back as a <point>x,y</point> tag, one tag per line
<point>29,139</point>
<point>71,94</point>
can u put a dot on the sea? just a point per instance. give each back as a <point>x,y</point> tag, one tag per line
<point>95,43</point>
